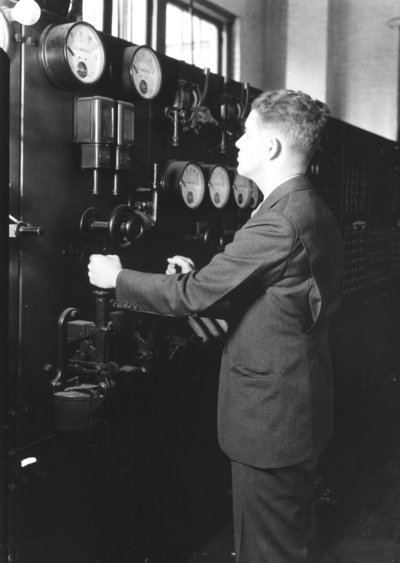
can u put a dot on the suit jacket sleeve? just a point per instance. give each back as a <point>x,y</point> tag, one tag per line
<point>258,254</point>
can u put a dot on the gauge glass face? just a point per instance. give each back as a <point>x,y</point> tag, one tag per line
<point>192,186</point>
<point>146,73</point>
<point>255,196</point>
<point>219,187</point>
<point>242,191</point>
<point>85,53</point>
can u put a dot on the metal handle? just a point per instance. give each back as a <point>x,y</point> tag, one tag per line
<point>22,230</point>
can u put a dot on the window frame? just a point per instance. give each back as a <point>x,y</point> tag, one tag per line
<point>203,9</point>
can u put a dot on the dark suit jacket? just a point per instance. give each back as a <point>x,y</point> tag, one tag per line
<point>282,276</point>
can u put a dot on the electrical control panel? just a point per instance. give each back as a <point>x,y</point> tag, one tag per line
<point>115,149</point>
<point>118,149</point>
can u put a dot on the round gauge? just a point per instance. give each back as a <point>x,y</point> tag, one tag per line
<point>192,185</point>
<point>4,33</point>
<point>255,199</point>
<point>142,70</point>
<point>185,180</point>
<point>219,186</point>
<point>242,191</point>
<point>72,54</point>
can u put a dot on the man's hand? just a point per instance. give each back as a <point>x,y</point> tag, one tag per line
<point>184,264</point>
<point>103,270</point>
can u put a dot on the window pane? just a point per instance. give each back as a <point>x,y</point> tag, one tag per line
<point>129,20</point>
<point>92,12</point>
<point>195,42</point>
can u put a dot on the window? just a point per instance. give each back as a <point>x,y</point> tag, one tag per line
<point>129,20</point>
<point>191,38</point>
<point>92,12</point>
<point>123,18</point>
<point>198,32</point>
<point>195,31</point>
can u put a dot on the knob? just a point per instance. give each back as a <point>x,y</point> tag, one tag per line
<point>23,230</point>
<point>210,235</point>
<point>125,226</point>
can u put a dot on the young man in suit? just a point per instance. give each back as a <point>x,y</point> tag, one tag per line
<point>281,275</point>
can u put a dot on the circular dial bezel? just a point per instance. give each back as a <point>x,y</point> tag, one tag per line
<point>57,51</point>
<point>219,195</point>
<point>137,72</point>
<point>192,197</point>
<point>243,191</point>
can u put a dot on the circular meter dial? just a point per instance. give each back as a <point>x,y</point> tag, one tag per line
<point>72,54</point>
<point>186,181</point>
<point>255,199</point>
<point>144,70</point>
<point>85,53</point>
<point>219,186</point>
<point>193,185</point>
<point>242,191</point>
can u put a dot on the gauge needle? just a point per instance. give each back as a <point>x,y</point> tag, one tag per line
<point>136,70</point>
<point>71,51</point>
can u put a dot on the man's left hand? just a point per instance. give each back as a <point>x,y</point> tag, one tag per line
<point>103,270</point>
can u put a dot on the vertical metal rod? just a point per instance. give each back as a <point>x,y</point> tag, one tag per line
<point>102,317</point>
<point>116,184</point>
<point>4,189</point>
<point>95,189</point>
<point>155,192</point>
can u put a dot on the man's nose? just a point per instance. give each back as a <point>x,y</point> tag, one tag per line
<point>238,142</point>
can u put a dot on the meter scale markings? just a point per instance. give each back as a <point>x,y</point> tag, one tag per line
<point>219,187</point>
<point>146,72</point>
<point>192,186</point>
<point>84,54</point>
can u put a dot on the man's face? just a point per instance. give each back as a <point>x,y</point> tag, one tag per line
<point>253,146</point>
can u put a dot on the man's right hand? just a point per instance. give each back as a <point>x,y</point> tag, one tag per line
<point>179,263</point>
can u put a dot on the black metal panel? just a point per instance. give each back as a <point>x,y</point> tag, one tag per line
<point>151,481</point>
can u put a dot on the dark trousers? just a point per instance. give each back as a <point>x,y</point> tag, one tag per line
<point>274,520</point>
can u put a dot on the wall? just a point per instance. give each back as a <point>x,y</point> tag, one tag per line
<point>249,31</point>
<point>363,64</point>
<point>307,47</point>
<point>340,51</point>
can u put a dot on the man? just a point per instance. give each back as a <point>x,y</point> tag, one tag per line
<point>281,275</point>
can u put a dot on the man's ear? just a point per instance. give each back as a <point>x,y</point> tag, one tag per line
<point>274,148</point>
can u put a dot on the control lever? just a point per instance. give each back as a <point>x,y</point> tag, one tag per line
<point>85,377</point>
<point>21,230</point>
<point>210,235</point>
<point>124,227</point>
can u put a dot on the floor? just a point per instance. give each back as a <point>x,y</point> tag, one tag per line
<point>357,491</point>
